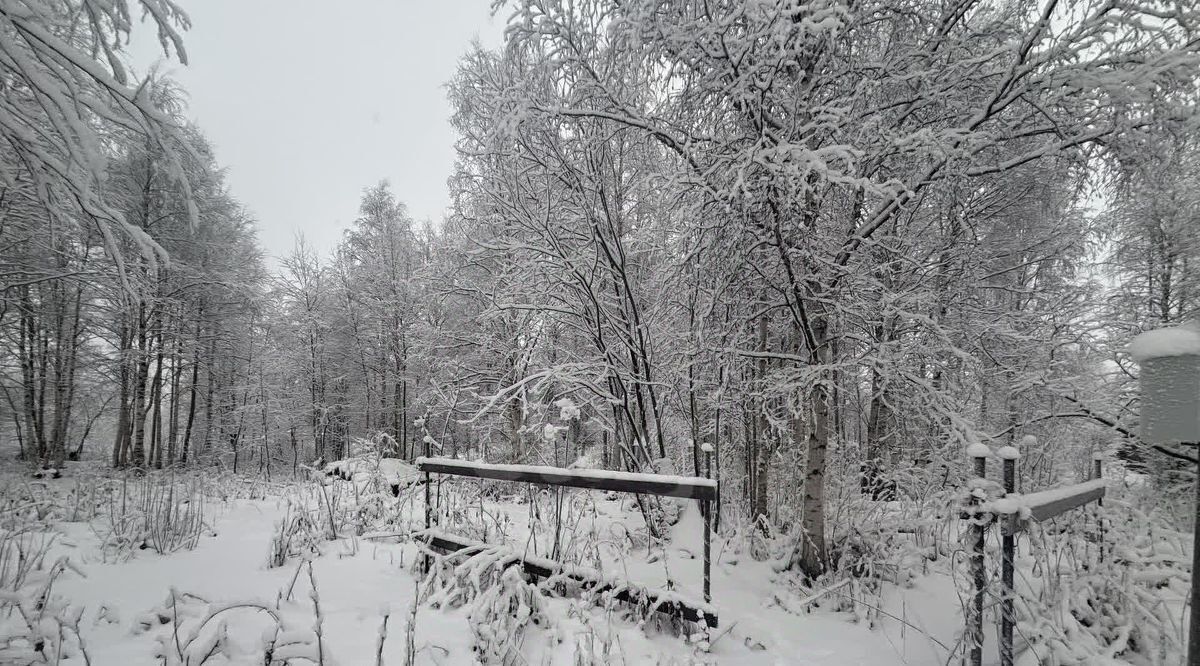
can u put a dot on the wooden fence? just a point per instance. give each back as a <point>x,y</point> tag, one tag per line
<point>1015,513</point>
<point>698,488</point>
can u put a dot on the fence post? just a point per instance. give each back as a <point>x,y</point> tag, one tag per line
<point>1098,472</point>
<point>425,441</point>
<point>979,452</point>
<point>1008,541</point>
<point>1193,653</point>
<point>706,507</point>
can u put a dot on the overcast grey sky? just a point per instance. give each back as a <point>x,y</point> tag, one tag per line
<point>308,103</point>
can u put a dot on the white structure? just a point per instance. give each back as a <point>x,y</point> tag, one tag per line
<point>1170,381</point>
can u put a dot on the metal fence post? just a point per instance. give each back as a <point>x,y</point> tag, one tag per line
<point>1010,455</point>
<point>1193,654</point>
<point>706,507</point>
<point>425,440</point>
<point>979,452</point>
<point>1098,473</point>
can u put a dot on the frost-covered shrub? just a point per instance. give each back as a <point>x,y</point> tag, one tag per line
<point>226,486</point>
<point>295,535</point>
<point>362,493</point>
<point>85,500</point>
<point>594,640</point>
<point>190,631</point>
<point>173,515</point>
<point>156,513</point>
<point>662,512</point>
<point>870,541</point>
<point>332,510</point>
<point>24,502</point>
<point>501,604</point>
<point>500,616</point>
<point>36,625</point>
<point>1075,607</point>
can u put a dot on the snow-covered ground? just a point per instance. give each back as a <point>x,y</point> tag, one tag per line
<point>136,606</point>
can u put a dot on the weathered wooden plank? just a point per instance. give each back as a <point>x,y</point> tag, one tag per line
<point>635,595</point>
<point>628,482</point>
<point>1047,504</point>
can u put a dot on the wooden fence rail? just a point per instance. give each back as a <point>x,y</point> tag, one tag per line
<point>687,487</point>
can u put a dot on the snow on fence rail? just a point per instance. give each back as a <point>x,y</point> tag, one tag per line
<point>1047,504</point>
<point>690,487</point>
<point>1015,509</point>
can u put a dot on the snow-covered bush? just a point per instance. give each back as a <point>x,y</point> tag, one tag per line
<point>360,492</point>
<point>157,513</point>
<point>1074,606</point>
<point>173,515</point>
<point>333,512</point>
<point>296,534</point>
<point>662,512</point>
<point>501,614</point>
<point>871,542</point>
<point>594,642</point>
<point>36,625</point>
<point>501,604</point>
<point>191,631</point>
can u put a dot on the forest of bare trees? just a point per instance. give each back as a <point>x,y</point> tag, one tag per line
<point>823,239</point>
<point>837,242</point>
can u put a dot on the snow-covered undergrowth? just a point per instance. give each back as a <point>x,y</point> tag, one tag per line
<point>105,568</point>
<point>1104,584</point>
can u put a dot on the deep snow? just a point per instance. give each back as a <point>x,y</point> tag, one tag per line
<point>361,578</point>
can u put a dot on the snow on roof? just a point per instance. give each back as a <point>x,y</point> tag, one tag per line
<point>1160,342</point>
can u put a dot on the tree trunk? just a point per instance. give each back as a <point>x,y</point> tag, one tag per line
<point>141,376</point>
<point>173,410</point>
<point>121,442</point>
<point>762,459</point>
<point>209,390</point>
<point>811,556</point>
<point>26,352</point>
<point>316,399</point>
<point>66,409</point>
<point>156,391</point>
<point>192,391</point>
<point>879,435</point>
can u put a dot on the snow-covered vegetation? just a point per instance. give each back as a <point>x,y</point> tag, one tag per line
<point>825,256</point>
<point>330,570</point>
